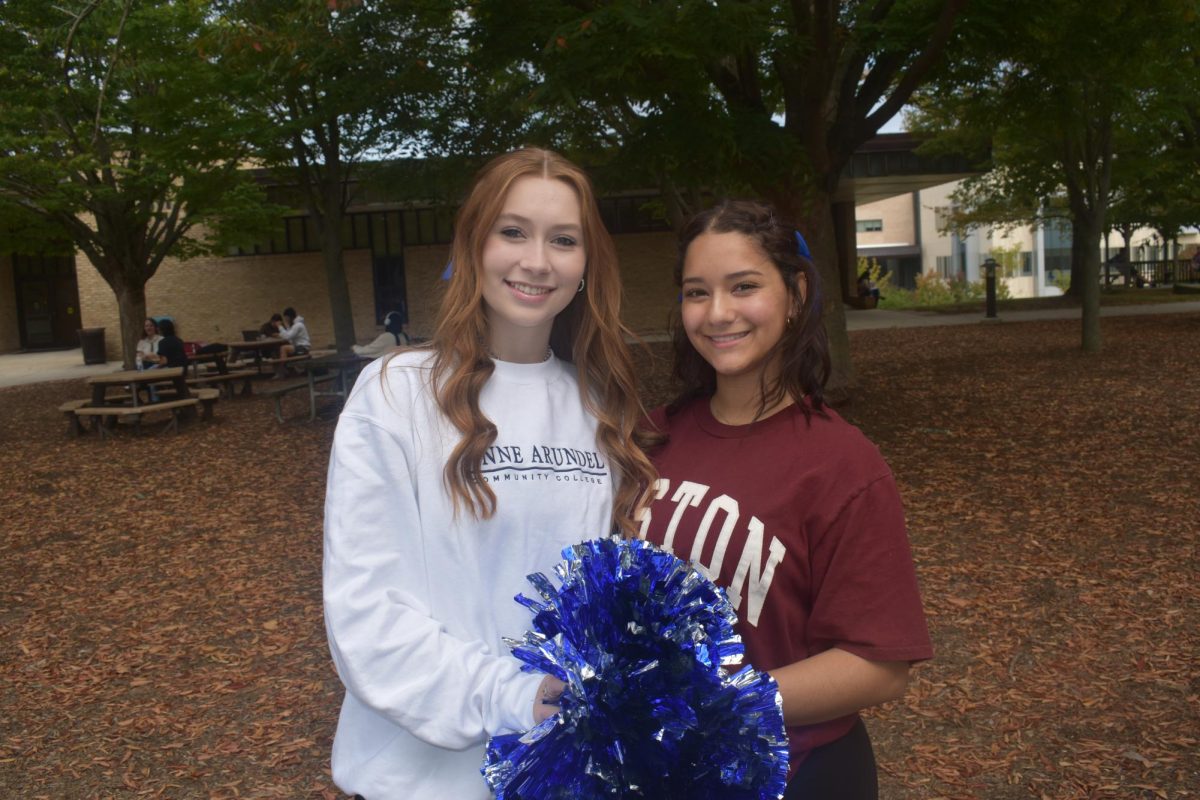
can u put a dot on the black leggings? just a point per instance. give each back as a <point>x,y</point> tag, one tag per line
<point>844,769</point>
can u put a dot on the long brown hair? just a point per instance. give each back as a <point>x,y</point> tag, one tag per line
<point>588,332</point>
<point>803,349</point>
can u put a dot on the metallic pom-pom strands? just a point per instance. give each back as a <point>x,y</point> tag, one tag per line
<point>640,639</point>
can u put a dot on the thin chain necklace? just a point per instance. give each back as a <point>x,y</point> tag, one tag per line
<point>724,420</point>
<point>547,357</point>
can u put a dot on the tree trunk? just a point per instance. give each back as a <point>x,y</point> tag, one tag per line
<point>816,220</point>
<point>131,305</point>
<point>335,265</point>
<point>1078,245</point>
<point>1085,253</point>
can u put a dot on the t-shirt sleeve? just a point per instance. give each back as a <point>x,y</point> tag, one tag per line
<point>388,649</point>
<point>865,595</point>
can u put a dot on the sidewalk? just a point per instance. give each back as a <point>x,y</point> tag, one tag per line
<point>878,318</point>
<point>49,365</point>
<point>56,365</point>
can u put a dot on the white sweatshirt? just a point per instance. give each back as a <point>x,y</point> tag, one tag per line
<point>383,344</point>
<point>297,334</point>
<point>416,601</point>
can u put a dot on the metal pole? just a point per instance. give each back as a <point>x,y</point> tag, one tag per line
<point>990,271</point>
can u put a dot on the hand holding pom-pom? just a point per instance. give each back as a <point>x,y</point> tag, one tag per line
<point>548,693</point>
<point>637,639</point>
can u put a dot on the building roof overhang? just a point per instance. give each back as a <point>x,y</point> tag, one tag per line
<point>889,165</point>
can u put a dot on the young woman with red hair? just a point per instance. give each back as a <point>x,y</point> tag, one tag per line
<point>461,467</point>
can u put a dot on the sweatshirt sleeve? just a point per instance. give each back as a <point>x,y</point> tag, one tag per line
<point>384,343</point>
<point>390,653</point>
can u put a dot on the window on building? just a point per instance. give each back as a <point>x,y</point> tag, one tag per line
<point>945,266</point>
<point>868,225</point>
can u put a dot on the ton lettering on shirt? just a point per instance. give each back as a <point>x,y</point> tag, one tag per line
<point>753,577</point>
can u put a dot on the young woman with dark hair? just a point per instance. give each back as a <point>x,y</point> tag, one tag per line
<point>781,501</point>
<point>460,467</point>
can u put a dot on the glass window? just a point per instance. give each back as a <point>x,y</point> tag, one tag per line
<point>868,225</point>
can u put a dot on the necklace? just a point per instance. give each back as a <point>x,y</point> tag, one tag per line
<point>726,420</point>
<point>545,358</point>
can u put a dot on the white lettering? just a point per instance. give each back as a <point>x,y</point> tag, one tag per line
<point>732,513</point>
<point>688,494</point>
<point>748,567</point>
<point>643,514</point>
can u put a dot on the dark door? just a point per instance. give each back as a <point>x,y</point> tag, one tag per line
<point>390,292</point>
<point>47,301</point>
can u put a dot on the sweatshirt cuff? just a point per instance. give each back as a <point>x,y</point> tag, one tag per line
<point>520,693</point>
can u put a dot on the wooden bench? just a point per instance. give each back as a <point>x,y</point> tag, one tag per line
<point>74,428</point>
<point>225,381</point>
<point>275,362</point>
<point>107,415</point>
<point>207,398</point>
<point>279,391</point>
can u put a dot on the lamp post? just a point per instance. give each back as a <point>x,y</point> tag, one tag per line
<point>989,267</point>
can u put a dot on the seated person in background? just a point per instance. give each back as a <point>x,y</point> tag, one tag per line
<point>867,287</point>
<point>294,331</point>
<point>170,352</point>
<point>170,347</point>
<point>393,336</point>
<point>270,328</point>
<point>147,346</point>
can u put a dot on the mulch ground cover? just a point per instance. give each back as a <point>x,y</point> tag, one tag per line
<point>160,614</point>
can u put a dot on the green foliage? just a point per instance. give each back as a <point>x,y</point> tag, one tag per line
<point>879,278</point>
<point>118,131</point>
<point>933,290</point>
<point>115,114</point>
<point>1062,279</point>
<point>1009,259</point>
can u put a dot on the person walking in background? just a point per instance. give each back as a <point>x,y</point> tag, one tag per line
<point>778,499</point>
<point>449,482</point>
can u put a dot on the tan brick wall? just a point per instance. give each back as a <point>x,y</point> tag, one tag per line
<point>10,330</point>
<point>647,268</point>
<point>423,267</point>
<point>214,299</point>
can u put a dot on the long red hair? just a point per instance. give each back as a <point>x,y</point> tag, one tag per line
<point>588,333</point>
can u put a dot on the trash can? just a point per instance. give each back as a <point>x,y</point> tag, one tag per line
<point>92,342</point>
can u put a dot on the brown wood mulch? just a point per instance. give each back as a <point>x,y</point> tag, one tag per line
<point>160,617</point>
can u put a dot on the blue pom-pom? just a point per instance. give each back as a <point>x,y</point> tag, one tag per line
<point>640,638</point>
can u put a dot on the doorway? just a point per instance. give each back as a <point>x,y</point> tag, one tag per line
<point>47,293</point>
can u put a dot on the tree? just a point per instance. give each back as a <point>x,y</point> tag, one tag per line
<point>1067,97</point>
<point>774,97</point>
<point>117,131</point>
<point>339,82</point>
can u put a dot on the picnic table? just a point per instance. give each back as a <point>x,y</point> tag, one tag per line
<point>105,408</point>
<point>257,348</point>
<point>326,375</point>
<point>136,379</point>
<point>217,359</point>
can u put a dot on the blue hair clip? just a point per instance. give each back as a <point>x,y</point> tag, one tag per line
<point>448,271</point>
<point>802,246</point>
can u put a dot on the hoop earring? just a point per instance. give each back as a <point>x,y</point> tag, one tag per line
<point>580,289</point>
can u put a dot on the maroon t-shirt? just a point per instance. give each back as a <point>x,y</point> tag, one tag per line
<point>801,522</point>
